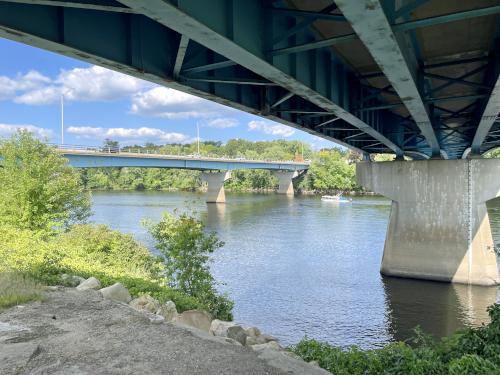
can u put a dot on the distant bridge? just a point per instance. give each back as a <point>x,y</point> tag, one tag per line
<point>215,170</point>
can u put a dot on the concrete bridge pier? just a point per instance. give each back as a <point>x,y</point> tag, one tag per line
<point>285,179</point>
<point>215,188</point>
<point>439,227</point>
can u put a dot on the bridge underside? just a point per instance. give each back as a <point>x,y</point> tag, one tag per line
<point>416,78</point>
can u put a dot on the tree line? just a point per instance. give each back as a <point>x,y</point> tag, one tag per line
<point>331,169</point>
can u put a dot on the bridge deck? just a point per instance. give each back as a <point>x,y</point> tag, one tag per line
<point>95,159</point>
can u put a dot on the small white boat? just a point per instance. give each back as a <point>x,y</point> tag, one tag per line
<point>336,198</point>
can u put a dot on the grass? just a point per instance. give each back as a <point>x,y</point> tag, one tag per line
<point>17,288</point>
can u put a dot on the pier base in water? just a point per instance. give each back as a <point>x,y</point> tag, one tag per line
<point>215,182</point>
<point>285,179</point>
<point>439,227</point>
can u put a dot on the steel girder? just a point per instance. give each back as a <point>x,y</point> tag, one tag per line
<point>235,39</point>
<point>368,19</point>
<point>227,52</point>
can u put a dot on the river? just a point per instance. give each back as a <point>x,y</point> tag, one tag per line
<point>300,266</point>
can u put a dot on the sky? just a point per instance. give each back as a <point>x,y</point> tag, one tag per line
<point>100,103</point>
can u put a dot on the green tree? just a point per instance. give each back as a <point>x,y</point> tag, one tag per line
<point>330,171</point>
<point>186,246</point>
<point>39,190</point>
<point>494,153</point>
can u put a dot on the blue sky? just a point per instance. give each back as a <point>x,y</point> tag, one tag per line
<point>100,103</point>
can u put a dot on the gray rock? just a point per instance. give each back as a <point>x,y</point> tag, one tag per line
<point>71,280</point>
<point>253,332</point>
<point>251,340</point>
<point>269,338</point>
<point>271,345</point>
<point>168,311</point>
<point>195,318</point>
<point>228,329</point>
<point>288,364</point>
<point>237,333</point>
<point>116,292</point>
<point>146,303</point>
<point>153,318</point>
<point>220,327</point>
<point>90,283</point>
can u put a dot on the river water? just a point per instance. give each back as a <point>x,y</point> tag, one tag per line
<point>300,266</point>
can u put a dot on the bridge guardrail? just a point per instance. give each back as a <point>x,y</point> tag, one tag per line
<point>139,151</point>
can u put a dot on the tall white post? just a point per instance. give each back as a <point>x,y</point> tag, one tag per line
<point>62,119</point>
<point>198,136</point>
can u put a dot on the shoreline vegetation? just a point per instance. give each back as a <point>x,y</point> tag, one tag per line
<point>45,240</point>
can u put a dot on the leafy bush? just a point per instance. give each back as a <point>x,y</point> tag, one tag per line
<point>39,190</point>
<point>471,351</point>
<point>186,247</point>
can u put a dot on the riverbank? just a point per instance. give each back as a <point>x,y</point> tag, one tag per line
<point>80,331</point>
<point>358,193</point>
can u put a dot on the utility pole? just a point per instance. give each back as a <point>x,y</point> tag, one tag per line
<point>198,136</point>
<point>62,119</point>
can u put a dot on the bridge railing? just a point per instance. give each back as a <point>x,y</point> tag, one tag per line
<point>139,151</point>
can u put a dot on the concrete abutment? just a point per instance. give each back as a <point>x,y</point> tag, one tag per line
<point>439,227</point>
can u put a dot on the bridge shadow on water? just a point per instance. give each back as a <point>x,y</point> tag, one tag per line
<point>438,308</point>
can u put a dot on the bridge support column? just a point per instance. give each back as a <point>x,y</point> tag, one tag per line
<point>439,227</point>
<point>285,179</point>
<point>215,188</point>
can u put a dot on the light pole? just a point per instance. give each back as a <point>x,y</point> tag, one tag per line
<point>62,119</point>
<point>198,136</point>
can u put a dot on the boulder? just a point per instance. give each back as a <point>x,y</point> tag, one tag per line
<point>237,333</point>
<point>271,345</point>
<point>90,283</point>
<point>116,292</point>
<point>269,338</point>
<point>255,340</point>
<point>228,329</point>
<point>289,364</point>
<point>220,327</point>
<point>153,318</point>
<point>253,332</point>
<point>71,280</point>
<point>146,303</point>
<point>195,318</point>
<point>168,311</point>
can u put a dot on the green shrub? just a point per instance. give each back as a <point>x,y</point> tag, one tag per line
<point>39,190</point>
<point>90,250</point>
<point>471,351</point>
<point>186,247</point>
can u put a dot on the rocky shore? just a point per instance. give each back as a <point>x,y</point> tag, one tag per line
<point>92,330</point>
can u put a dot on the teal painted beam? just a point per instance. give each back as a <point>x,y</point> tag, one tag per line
<point>459,16</point>
<point>100,160</point>
<point>369,21</point>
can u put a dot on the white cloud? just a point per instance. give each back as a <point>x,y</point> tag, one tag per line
<point>222,123</point>
<point>79,84</point>
<point>267,128</point>
<point>172,104</point>
<point>32,80</point>
<point>7,130</point>
<point>137,134</point>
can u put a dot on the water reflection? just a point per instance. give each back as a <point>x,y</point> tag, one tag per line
<point>301,266</point>
<point>438,308</point>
